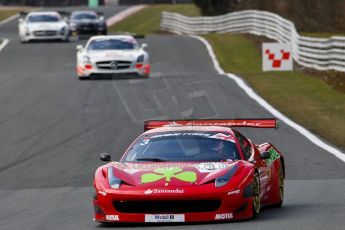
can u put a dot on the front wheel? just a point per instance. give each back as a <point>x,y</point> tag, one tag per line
<point>22,40</point>
<point>66,39</point>
<point>83,78</point>
<point>256,195</point>
<point>281,186</point>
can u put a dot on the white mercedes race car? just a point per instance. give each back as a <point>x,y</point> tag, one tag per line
<point>43,26</point>
<point>112,55</point>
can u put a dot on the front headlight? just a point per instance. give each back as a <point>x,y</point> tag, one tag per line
<point>86,59</point>
<point>73,26</point>
<point>140,59</point>
<point>114,182</point>
<point>223,180</point>
<point>63,30</point>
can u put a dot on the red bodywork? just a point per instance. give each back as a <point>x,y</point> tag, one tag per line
<point>174,200</point>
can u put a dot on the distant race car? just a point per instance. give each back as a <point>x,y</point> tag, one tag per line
<point>87,23</point>
<point>49,25</point>
<point>112,55</point>
<point>190,171</point>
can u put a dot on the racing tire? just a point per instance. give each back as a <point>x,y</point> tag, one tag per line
<point>83,78</point>
<point>22,40</point>
<point>66,39</point>
<point>281,186</point>
<point>256,195</point>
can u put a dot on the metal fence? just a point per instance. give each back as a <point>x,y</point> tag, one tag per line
<point>317,53</point>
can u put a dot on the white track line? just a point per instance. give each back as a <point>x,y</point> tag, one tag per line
<point>313,138</point>
<point>123,14</point>
<point>4,43</point>
<point>9,19</point>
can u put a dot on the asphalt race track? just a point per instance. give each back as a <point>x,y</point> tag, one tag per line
<point>53,127</point>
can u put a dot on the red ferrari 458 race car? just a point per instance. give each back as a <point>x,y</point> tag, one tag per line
<point>190,171</point>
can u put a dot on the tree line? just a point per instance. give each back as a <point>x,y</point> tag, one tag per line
<point>308,15</point>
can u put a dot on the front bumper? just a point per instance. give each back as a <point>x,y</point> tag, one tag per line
<point>88,29</point>
<point>46,36</point>
<point>92,70</point>
<point>232,207</point>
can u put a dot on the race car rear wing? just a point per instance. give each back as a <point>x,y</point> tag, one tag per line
<point>241,122</point>
<point>64,14</point>
<point>22,14</point>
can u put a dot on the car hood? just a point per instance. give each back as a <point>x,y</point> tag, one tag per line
<point>106,55</point>
<point>46,26</point>
<point>170,174</point>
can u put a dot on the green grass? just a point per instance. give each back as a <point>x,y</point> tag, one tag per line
<point>7,13</point>
<point>147,21</point>
<point>321,35</point>
<point>304,98</point>
<point>307,100</point>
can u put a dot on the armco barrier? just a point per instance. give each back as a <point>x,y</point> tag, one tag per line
<point>317,53</point>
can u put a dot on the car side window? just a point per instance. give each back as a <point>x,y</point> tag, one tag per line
<point>245,145</point>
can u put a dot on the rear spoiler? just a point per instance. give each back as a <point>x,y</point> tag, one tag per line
<point>23,14</point>
<point>139,36</point>
<point>241,122</point>
<point>64,13</point>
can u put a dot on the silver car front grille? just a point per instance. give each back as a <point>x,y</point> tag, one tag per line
<point>45,33</point>
<point>113,65</point>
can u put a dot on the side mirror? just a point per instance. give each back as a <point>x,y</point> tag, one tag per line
<point>144,45</point>
<point>265,155</point>
<point>105,157</point>
<point>20,20</point>
<point>79,47</point>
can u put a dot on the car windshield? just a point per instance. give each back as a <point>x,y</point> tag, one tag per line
<point>81,16</point>
<point>113,44</point>
<point>44,18</point>
<point>183,147</point>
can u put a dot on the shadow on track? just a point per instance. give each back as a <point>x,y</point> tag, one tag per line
<point>114,77</point>
<point>52,41</point>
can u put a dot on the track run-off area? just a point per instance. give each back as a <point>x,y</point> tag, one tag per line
<point>53,127</point>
